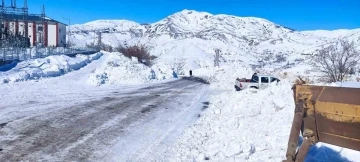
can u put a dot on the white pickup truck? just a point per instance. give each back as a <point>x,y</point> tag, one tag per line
<point>258,81</point>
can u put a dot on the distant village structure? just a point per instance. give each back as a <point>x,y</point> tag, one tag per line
<point>18,28</point>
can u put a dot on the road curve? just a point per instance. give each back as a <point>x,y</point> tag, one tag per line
<point>123,126</point>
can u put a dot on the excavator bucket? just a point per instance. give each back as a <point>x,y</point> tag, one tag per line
<point>324,114</point>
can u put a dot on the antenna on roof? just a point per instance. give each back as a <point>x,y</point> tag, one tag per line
<point>3,3</point>
<point>43,11</point>
<point>13,3</point>
<point>25,4</point>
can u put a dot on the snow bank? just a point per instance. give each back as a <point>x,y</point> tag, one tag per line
<point>241,126</point>
<point>119,69</point>
<point>348,84</point>
<point>251,125</point>
<point>223,77</point>
<point>50,66</point>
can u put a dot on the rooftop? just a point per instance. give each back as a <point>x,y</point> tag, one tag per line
<point>31,17</point>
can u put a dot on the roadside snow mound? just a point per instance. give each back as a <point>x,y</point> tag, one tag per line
<point>119,69</point>
<point>241,126</point>
<point>224,77</point>
<point>348,84</point>
<point>50,66</point>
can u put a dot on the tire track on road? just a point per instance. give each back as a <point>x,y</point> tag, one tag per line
<point>82,132</point>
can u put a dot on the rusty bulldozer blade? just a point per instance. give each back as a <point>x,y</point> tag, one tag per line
<point>324,114</point>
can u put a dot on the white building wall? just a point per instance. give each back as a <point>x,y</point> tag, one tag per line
<point>12,27</point>
<point>39,33</point>
<point>31,33</point>
<point>52,34</point>
<point>21,28</point>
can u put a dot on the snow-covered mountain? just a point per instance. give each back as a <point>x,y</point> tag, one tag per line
<point>192,36</point>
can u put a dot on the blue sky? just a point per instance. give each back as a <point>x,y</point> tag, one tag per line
<point>296,14</point>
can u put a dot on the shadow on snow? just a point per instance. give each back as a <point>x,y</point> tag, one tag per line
<point>322,154</point>
<point>8,66</point>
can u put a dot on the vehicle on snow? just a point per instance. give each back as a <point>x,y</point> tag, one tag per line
<point>257,81</point>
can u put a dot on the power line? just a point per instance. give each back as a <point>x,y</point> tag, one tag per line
<point>99,40</point>
<point>217,58</point>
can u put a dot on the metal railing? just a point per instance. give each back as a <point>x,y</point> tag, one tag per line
<point>21,54</point>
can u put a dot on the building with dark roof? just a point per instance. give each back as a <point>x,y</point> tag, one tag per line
<point>35,28</point>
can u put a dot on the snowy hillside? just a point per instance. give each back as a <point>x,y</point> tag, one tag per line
<point>336,33</point>
<point>191,37</point>
<point>114,31</point>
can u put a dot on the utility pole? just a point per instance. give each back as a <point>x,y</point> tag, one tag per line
<point>217,58</point>
<point>68,42</point>
<point>99,40</point>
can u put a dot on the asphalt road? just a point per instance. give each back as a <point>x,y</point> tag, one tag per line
<point>133,125</point>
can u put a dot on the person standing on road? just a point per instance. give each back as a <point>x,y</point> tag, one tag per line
<point>190,73</point>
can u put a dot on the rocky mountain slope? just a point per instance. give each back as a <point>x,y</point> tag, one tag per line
<point>191,37</point>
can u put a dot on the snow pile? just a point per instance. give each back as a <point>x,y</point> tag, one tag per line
<point>50,66</point>
<point>223,77</point>
<point>248,126</point>
<point>118,69</point>
<point>348,84</point>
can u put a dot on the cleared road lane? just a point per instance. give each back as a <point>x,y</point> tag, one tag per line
<point>125,125</point>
